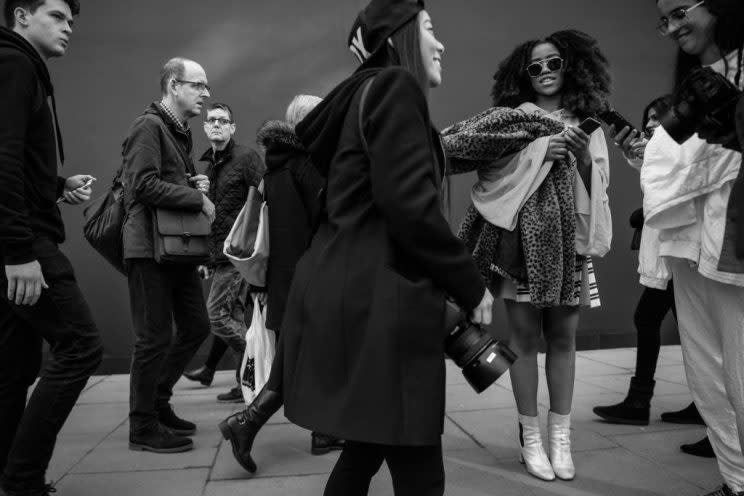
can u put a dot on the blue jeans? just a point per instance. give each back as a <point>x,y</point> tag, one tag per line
<point>28,432</point>
<point>227,305</point>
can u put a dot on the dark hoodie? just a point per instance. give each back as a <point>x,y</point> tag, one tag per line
<point>29,186</point>
<point>292,189</point>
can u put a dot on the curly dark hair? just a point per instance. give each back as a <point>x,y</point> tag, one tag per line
<point>728,35</point>
<point>586,83</point>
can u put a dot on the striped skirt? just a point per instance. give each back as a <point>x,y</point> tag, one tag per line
<point>586,291</point>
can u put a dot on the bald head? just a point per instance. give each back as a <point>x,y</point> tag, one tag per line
<point>176,68</point>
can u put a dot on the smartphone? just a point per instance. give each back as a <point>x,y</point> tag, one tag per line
<point>61,199</point>
<point>589,125</point>
<point>614,118</point>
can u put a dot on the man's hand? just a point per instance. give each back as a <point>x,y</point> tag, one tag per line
<point>482,313</point>
<point>557,149</point>
<point>78,189</point>
<point>25,283</point>
<point>201,182</point>
<point>261,297</point>
<point>208,208</point>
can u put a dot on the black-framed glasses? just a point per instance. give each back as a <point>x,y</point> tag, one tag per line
<point>221,120</point>
<point>677,18</point>
<point>197,85</point>
<point>553,64</point>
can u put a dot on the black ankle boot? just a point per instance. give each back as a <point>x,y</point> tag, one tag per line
<point>203,375</point>
<point>241,428</point>
<point>701,448</point>
<point>321,444</point>
<point>688,415</point>
<point>634,409</point>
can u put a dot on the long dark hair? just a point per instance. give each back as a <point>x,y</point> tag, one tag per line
<point>406,51</point>
<point>586,80</point>
<point>660,105</point>
<point>728,35</point>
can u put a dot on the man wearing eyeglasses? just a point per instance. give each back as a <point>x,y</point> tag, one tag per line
<point>158,172</point>
<point>232,169</point>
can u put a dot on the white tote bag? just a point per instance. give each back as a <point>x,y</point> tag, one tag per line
<point>260,347</point>
<point>250,235</point>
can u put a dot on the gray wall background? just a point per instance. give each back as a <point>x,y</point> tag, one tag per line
<point>259,54</point>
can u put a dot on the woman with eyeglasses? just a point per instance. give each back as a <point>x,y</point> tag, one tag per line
<point>564,77</point>
<point>688,199</point>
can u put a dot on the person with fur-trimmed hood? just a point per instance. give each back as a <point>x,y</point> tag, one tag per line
<point>291,189</point>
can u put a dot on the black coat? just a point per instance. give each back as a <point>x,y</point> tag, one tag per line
<point>292,188</point>
<point>363,329</point>
<point>231,174</point>
<point>156,161</point>
<point>29,186</point>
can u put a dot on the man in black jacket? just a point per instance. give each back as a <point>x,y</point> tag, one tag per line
<point>158,173</point>
<point>39,296</point>
<point>232,169</point>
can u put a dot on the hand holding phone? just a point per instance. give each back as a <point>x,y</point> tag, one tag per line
<point>78,194</point>
<point>589,125</point>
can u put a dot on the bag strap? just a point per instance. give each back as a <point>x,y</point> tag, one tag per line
<point>323,195</point>
<point>362,101</point>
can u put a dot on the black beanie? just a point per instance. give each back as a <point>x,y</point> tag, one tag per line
<point>377,22</point>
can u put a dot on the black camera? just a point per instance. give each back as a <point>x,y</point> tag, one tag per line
<point>481,358</point>
<point>705,102</point>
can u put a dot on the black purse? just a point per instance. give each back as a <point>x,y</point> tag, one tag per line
<point>104,220</point>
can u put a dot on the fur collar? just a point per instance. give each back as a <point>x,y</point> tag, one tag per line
<point>274,133</point>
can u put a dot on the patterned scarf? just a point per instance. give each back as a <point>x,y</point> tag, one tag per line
<point>541,251</point>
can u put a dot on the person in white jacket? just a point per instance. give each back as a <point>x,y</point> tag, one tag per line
<point>689,236</point>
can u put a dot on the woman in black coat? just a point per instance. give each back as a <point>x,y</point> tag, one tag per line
<point>363,328</point>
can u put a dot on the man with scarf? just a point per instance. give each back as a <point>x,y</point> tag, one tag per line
<point>39,296</point>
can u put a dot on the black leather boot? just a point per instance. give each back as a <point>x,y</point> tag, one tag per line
<point>241,428</point>
<point>322,444</point>
<point>688,415</point>
<point>203,375</point>
<point>634,409</point>
<point>701,448</point>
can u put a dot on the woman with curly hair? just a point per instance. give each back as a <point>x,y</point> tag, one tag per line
<point>565,77</point>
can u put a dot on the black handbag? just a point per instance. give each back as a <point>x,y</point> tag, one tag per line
<point>104,220</point>
<point>180,237</point>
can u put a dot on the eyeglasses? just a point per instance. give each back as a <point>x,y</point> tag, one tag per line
<point>553,64</point>
<point>221,120</point>
<point>677,18</point>
<point>197,85</point>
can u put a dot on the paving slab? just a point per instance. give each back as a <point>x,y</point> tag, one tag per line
<point>188,482</point>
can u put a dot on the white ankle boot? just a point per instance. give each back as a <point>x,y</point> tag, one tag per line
<point>532,453</point>
<point>559,445</point>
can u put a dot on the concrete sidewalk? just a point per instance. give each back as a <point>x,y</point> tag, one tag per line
<point>480,443</point>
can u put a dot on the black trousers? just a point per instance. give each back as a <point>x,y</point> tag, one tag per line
<point>649,315</point>
<point>416,470</point>
<point>28,432</point>
<point>160,294</point>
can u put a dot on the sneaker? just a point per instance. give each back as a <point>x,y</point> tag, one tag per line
<point>235,395</point>
<point>320,444</point>
<point>688,415</point>
<point>701,448</point>
<point>159,440</point>
<point>203,375</point>
<point>174,423</point>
